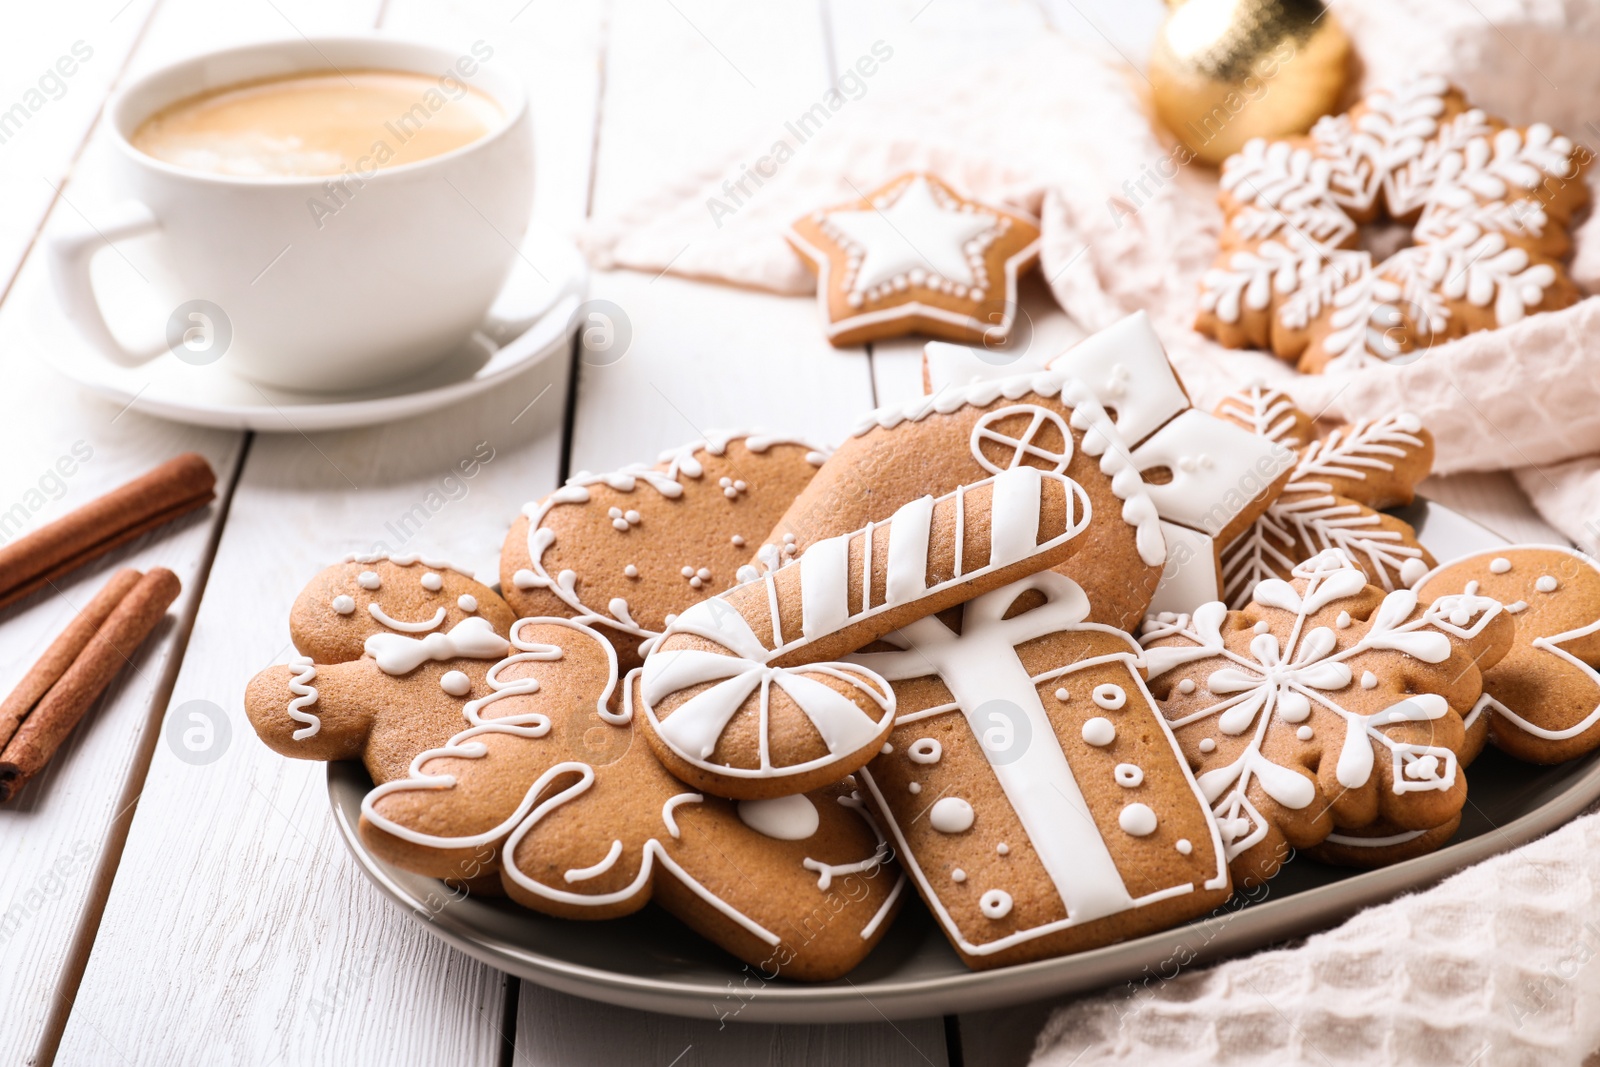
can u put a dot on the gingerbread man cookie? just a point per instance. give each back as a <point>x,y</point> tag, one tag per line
<point>1031,786</point>
<point>1333,496</point>
<point>915,256</point>
<point>582,823</point>
<point>1543,699</point>
<point>1324,702</point>
<point>1490,204</point>
<point>392,648</point>
<point>625,551</point>
<point>738,700</point>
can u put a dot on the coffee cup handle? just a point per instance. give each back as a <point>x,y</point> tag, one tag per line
<point>72,252</point>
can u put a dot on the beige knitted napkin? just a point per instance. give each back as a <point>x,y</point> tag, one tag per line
<point>1061,127</point>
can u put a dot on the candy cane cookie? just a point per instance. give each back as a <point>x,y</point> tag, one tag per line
<point>737,698</point>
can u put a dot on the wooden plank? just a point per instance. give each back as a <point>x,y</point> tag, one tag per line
<point>236,924</point>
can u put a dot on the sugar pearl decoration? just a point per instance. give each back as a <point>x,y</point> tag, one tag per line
<point>995,903</point>
<point>1138,820</point>
<point>951,815</point>
<point>1099,732</point>
<point>958,875</point>
<point>630,571</point>
<point>1184,847</point>
<point>1062,695</point>
<point>1002,848</point>
<point>1304,733</point>
<point>915,788</point>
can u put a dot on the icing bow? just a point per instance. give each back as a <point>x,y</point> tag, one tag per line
<point>694,727</point>
<point>471,638</point>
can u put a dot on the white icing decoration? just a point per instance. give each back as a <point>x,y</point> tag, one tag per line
<point>467,603</point>
<point>583,874</point>
<point>951,815</point>
<point>914,787</point>
<point>1546,584</point>
<point>343,604</point>
<point>384,618</point>
<point>1308,513</point>
<point>791,818</point>
<point>995,903</point>
<point>472,638</point>
<point>1303,733</point>
<point>669,819</point>
<point>1108,696</point>
<point>979,665</point>
<point>432,582</point>
<point>369,580</point>
<point>1499,565</point>
<point>404,559</point>
<point>1099,732</point>
<point>1185,686</point>
<point>1138,820</point>
<point>958,875</point>
<point>1062,694</point>
<point>1208,744</point>
<point>1184,847</point>
<point>925,750</point>
<point>305,695</point>
<point>456,683</point>
<point>1128,776</point>
<point>1003,848</point>
<point>1312,667</point>
<point>1023,448</point>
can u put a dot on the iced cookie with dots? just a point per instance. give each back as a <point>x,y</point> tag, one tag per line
<point>550,790</point>
<point>1030,786</point>
<point>391,649</point>
<point>1337,487</point>
<point>1324,702</point>
<point>627,550</point>
<point>1542,701</point>
<point>915,256</point>
<point>1208,477</point>
<point>742,696</point>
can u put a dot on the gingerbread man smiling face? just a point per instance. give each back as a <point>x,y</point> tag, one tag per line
<point>391,649</point>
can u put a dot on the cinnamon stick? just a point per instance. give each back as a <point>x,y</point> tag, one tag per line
<point>178,486</point>
<point>62,652</point>
<point>112,646</point>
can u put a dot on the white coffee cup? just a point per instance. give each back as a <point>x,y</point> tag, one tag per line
<point>393,279</point>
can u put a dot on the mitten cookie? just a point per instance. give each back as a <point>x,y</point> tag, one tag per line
<point>1046,421</point>
<point>391,650</point>
<point>1323,702</point>
<point>1543,699</point>
<point>1489,205</point>
<point>625,551</point>
<point>549,790</point>
<point>915,256</point>
<point>737,698</point>
<point>1208,479</point>
<point>1030,785</point>
<point>1332,498</point>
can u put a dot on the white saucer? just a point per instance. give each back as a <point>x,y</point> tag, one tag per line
<point>531,320</point>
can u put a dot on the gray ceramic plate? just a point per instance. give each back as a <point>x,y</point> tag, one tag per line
<point>649,961</point>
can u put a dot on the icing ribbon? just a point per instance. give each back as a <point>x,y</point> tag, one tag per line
<point>471,638</point>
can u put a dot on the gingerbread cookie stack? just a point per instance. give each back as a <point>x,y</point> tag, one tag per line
<point>981,650</point>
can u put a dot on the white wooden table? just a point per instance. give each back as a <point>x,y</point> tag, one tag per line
<point>156,910</point>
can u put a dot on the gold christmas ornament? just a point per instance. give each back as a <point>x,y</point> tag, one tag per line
<point>1224,71</point>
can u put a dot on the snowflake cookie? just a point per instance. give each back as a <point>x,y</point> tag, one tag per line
<point>548,793</point>
<point>391,650</point>
<point>627,550</point>
<point>1543,699</point>
<point>1324,703</point>
<point>915,256</point>
<point>1333,496</point>
<point>1489,206</point>
<point>1030,785</point>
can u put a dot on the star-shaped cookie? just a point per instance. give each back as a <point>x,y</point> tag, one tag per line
<point>915,256</point>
